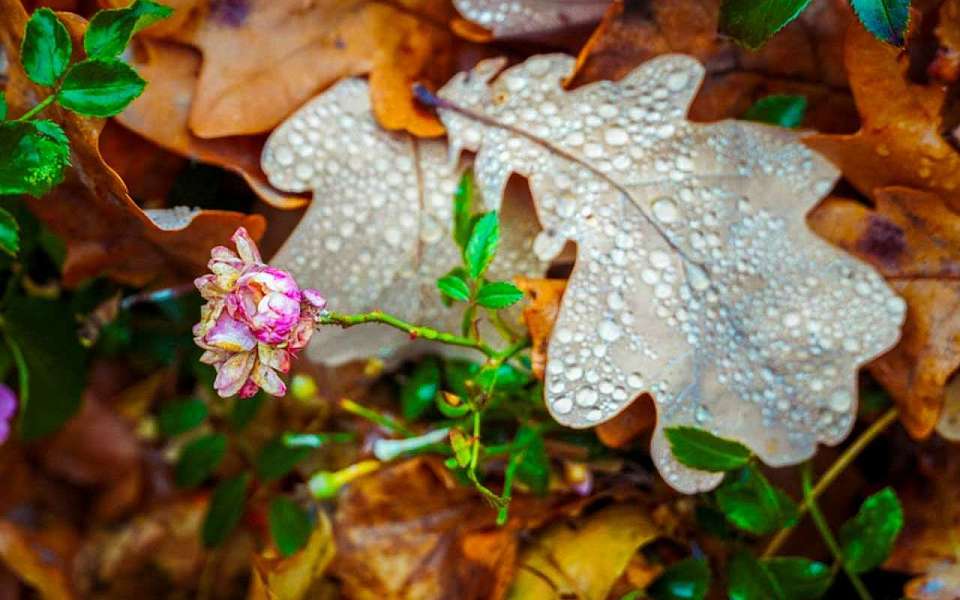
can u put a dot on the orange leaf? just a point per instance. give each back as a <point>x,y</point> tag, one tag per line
<point>105,231</point>
<point>539,315</point>
<point>913,239</point>
<point>35,563</point>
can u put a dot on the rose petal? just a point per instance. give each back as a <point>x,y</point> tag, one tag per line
<point>269,381</point>
<point>273,357</point>
<point>249,389</point>
<point>314,298</point>
<point>8,402</point>
<point>231,335</point>
<point>246,247</point>
<point>232,374</point>
<point>4,431</point>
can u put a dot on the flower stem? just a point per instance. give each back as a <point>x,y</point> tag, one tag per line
<point>848,456</point>
<point>824,528</point>
<point>427,333</point>
<point>40,106</point>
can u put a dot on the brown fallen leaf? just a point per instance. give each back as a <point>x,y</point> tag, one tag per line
<point>946,65</point>
<point>275,578</point>
<point>697,279</point>
<point>913,238</point>
<point>636,420</point>
<point>499,19</point>
<point>262,60</point>
<point>539,314</point>
<point>442,542</point>
<point>105,231</point>
<point>899,142</point>
<point>35,562</point>
<point>160,114</point>
<point>562,561</point>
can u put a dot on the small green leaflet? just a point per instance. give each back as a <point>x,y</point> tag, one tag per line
<point>461,446</point>
<point>46,48</point>
<point>686,580</point>
<point>226,508</point>
<point>35,156</point>
<point>498,294</point>
<point>9,233</point>
<point>887,20</point>
<point>867,538</point>
<point>110,31</point>
<point>3,106</point>
<point>290,525</point>
<point>100,87</point>
<point>534,464</point>
<point>453,286</point>
<point>276,459</point>
<point>483,244</point>
<point>753,22</point>
<point>751,503</point>
<point>199,458</point>
<point>700,449</point>
<point>245,409</point>
<point>778,109</point>
<point>418,392</point>
<point>776,578</point>
<point>462,206</point>
<point>181,416</point>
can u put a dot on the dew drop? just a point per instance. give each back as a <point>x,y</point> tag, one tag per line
<point>665,210</point>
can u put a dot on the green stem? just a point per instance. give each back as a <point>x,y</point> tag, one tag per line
<point>824,528</point>
<point>391,425</point>
<point>848,456</point>
<point>42,105</point>
<point>427,333</point>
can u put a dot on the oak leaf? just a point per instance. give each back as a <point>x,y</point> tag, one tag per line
<point>263,60</point>
<point>514,18</point>
<point>377,234</point>
<point>104,229</point>
<point>913,238</point>
<point>696,279</point>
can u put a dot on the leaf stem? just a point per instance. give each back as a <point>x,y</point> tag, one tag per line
<point>824,528</point>
<point>40,106</point>
<point>23,373</point>
<point>427,333</point>
<point>848,456</point>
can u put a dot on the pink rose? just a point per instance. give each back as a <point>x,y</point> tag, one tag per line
<point>8,409</point>
<point>255,320</point>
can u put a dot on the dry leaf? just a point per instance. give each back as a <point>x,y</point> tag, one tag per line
<point>512,18</point>
<point>408,531</point>
<point>913,239</point>
<point>899,142</point>
<point>377,234</point>
<point>697,279</point>
<point>539,314</point>
<point>556,564</point>
<point>160,114</point>
<point>275,578</point>
<point>262,60</point>
<point>35,563</point>
<point>626,427</point>
<point>105,231</point>
<point>946,65</point>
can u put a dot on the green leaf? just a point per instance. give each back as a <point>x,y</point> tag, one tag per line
<point>747,579</point>
<point>45,52</point>
<point>462,447</point>
<point>753,22</point>
<point>181,416</point>
<point>100,87</point>
<point>110,31</point>
<point>867,538</point>
<point>3,105</point>
<point>505,378</point>
<point>226,508</point>
<point>9,233</point>
<point>686,580</point>
<point>799,578</point>
<point>887,20</point>
<point>199,459</point>
<point>778,109</point>
<point>751,503</point>
<point>534,463</point>
<point>702,450</point>
<point>483,244</point>
<point>45,333</point>
<point>420,389</point>
<point>290,525</point>
<point>454,287</point>
<point>499,294</point>
<point>245,409</point>
<point>277,459</point>
<point>34,155</point>
<point>462,207</point>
